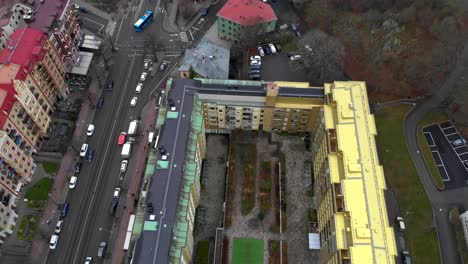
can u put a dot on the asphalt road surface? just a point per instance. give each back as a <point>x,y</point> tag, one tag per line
<point>88,221</point>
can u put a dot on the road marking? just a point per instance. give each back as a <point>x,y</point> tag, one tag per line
<point>120,28</point>
<point>102,166</point>
<point>110,28</point>
<point>162,79</point>
<point>95,22</point>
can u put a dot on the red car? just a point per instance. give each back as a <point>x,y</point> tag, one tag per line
<point>121,138</point>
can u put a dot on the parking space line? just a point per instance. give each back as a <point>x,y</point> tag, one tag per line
<point>432,139</point>
<point>449,142</point>
<point>439,159</point>
<point>443,128</point>
<point>451,134</point>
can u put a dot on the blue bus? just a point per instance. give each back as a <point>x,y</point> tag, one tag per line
<point>143,21</point>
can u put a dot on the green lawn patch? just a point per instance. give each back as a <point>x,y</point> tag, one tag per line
<point>27,227</point>
<point>203,252</point>
<point>247,250</point>
<point>50,167</point>
<point>40,190</point>
<point>461,242</point>
<point>431,118</point>
<point>402,177</point>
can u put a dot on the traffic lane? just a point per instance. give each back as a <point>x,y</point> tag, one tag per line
<point>446,233</point>
<point>101,222</point>
<point>454,168</point>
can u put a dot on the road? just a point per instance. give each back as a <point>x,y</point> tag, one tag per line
<point>441,201</point>
<point>88,221</point>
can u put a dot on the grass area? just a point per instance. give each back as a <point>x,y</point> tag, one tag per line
<point>401,174</point>
<point>230,182</point>
<point>27,227</point>
<point>202,256</point>
<point>433,117</point>
<point>265,189</point>
<point>50,167</point>
<point>248,190</point>
<point>275,226</point>
<point>247,250</point>
<point>40,190</point>
<point>461,242</point>
<point>37,204</point>
<point>273,252</point>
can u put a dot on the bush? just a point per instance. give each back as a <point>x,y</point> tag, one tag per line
<point>27,227</point>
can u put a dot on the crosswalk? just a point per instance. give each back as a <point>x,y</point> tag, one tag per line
<point>110,28</point>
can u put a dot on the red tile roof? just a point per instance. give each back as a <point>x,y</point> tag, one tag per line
<point>247,12</point>
<point>24,48</point>
<point>7,100</point>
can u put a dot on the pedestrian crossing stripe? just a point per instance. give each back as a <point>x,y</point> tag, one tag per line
<point>110,28</point>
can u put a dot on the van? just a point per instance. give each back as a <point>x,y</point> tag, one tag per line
<point>458,142</point>
<point>64,211</point>
<point>150,137</point>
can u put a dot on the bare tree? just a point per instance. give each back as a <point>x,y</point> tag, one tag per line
<point>249,35</point>
<point>322,56</point>
<point>186,8</point>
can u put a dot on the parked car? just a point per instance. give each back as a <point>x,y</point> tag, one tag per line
<point>78,167</point>
<point>298,34</point>
<point>254,67</point>
<point>139,87</point>
<point>143,76</point>
<point>117,193</point>
<point>295,57</point>
<point>123,166</point>
<point>76,6</point>
<point>149,207</point>
<point>83,150</point>
<point>170,102</point>
<point>405,257</point>
<point>294,27</point>
<point>113,206</point>
<point>64,211</point>
<point>83,10</point>
<point>89,260</point>
<point>204,11</point>
<point>278,47</point>
<point>134,101</point>
<point>110,86</point>
<point>72,183</point>
<point>256,57</point>
<point>53,242</point>
<point>272,48</point>
<point>90,155</point>
<point>121,139</point>
<point>163,66</point>
<point>90,130</point>
<point>146,65</point>
<point>267,50</point>
<point>458,142</point>
<point>255,62</point>
<point>58,227</point>
<point>254,76</point>
<point>261,52</point>
<point>400,224</point>
<point>102,249</point>
<point>100,102</point>
<point>254,71</point>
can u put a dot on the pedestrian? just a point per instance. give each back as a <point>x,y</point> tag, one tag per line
<point>48,222</point>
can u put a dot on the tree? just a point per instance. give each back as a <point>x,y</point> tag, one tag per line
<point>192,73</point>
<point>186,9</point>
<point>249,35</point>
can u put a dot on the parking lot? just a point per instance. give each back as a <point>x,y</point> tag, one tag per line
<point>277,67</point>
<point>448,158</point>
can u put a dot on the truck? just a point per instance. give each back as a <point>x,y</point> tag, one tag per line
<point>126,149</point>
<point>132,130</point>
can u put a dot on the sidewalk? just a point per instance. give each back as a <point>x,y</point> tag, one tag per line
<point>148,118</point>
<point>58,195</point>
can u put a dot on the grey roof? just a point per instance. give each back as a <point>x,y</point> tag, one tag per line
<point>82,64</point>
<point>207,59</point>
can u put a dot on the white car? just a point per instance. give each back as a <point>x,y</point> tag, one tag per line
<point>272,48</point>
<point>88,260</point>
<point>261,51</point>
<point>146,65</point>
<point>143,76</point>
<point>117,193</point>
<point>84,150</point>
<point>255,62</point>
<point>295,57</point>
<point>123,166</point>
<point>401,224</point>
<point>73,180</point>
<point>53,241</point>
<point>90,130</point>
<point>256,57</point>
<point>77,6</point>
<point>139,88</point>
<point>58,227</point>
<point>134,101</point>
